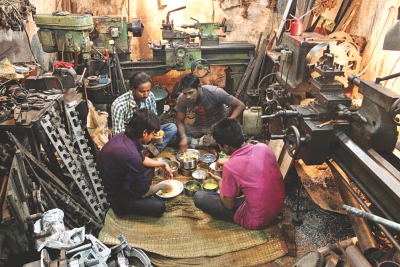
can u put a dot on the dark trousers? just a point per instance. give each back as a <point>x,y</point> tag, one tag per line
<point>210,202</point>
<point>125,203</point>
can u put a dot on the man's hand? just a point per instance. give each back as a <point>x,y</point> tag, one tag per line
<point>183,144</point>
<point>167,172</point>
<point>216,178</point>
<point>220,163</point>
<point>165,187</point>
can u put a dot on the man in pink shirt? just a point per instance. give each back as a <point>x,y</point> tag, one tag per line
<point>252,189</point>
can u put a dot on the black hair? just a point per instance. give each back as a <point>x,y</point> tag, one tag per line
<point>142,119</point>
<point>228,132</point>
<point>138,79</point>
<point>189,80</point>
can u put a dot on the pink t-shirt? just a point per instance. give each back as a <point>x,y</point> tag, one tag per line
<point>255,171</point>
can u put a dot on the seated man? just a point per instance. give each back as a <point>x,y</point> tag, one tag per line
<point>139,96</point>
<point>121,164</point>
<point>252,189</point>
<point>207,102</point>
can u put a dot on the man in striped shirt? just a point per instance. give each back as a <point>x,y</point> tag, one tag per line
<point>139,96</point>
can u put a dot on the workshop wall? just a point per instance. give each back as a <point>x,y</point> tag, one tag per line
<point>19,39</point>
<point>373,21</point>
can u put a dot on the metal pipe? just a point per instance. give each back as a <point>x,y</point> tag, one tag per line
<point>371,217</point>
<point>363,232</point>
<point>335,248</point>
<point>3,191</point>
<point>365,207</point>
<point>357,257</point>
<point>360,186</point>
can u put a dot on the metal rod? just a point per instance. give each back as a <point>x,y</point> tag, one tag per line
<point>361,227</point>
<point>359,200</point>
<point>371,217</point>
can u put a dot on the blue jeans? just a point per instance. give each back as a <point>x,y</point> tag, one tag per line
<point>170,131</point>
<point>210,203</point>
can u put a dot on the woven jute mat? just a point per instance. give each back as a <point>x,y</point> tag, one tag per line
<point>184,233</point>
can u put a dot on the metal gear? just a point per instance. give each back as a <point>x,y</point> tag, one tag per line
<point>311,258</point>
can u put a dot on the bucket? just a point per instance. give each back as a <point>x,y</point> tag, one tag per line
<point>252,122</point>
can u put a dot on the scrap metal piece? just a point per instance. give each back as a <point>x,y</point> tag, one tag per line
<point>331,259</point>
<point>311,258</point>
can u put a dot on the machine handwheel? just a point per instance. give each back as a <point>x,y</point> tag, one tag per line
<point>394,112</point>
<point>292,141</point>
<point>203,69</point>
<point>180,51</point>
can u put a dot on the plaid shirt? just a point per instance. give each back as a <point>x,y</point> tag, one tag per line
<point>123,107</point>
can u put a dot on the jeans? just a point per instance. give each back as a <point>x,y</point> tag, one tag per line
<point>170,131</point>
<point>210,203</point>
<point>124,204</point>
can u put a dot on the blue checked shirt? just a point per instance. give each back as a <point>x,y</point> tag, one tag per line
<point>123,107</point>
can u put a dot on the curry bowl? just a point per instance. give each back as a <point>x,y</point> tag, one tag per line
<point>210,184</point>
<point>191,187</point>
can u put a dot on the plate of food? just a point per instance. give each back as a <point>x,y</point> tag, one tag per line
<point>189,153</point>
<point>177,188</point>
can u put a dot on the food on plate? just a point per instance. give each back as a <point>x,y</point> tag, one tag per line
<point>189,155</point>
<point>176,188</point>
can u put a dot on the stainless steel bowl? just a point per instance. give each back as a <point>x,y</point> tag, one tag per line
<point>188,163</point>
<point>174,167</point>
<point>199,175</point>
<point>214,171</point>
<point>164,159</point>
<point>189,192</point>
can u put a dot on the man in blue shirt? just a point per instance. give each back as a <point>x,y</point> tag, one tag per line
<point>139,96</point>
<point>121,164</point>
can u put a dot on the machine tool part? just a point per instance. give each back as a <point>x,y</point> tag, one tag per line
<point>138,253</point>
<point>198,65</point>
<point>371,217</point>
<point>292,141</point>
<point>99,247</point>
<point>394,112</point>
<point>90,258</point>
<point>391,41</point>
<point>326,123</point>
<point>360,201</point>
<point>330,259</point>
<point>311,258</point>
<point>69,33</point>
<point>366,239</point>
<point>64,146</point>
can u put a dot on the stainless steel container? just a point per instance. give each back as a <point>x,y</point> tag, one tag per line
<point>188,163</point>
<point>191,193</point>
<point>187,173</point>
<point>174,167</point>
<point>214,171</point>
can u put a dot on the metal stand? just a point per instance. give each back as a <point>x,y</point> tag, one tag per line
<point>297,220</point>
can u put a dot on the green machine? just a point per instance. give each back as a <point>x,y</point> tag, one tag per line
<point>183,53</point>
<point>65,32</point>
<point>111,32</point>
